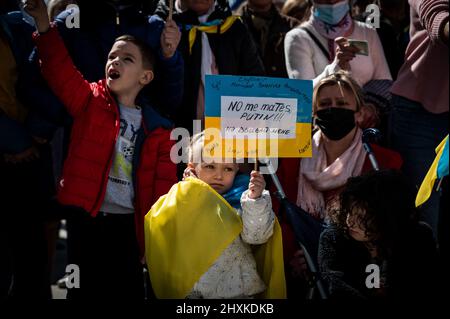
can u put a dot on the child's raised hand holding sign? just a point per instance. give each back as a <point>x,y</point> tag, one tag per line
<point>257,185</point>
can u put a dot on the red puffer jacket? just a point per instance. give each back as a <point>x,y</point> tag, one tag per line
<point>94,133</point>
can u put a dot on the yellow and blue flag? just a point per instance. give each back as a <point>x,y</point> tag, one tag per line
<point>438,170</point>
<point>187,230</point>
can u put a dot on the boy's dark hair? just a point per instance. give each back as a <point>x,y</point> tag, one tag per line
<point>387,199</point>
<point>148,57</point>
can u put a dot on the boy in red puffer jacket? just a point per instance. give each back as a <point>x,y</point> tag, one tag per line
<point>118,163</point>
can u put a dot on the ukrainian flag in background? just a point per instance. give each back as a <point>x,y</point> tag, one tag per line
<point>438,170</point>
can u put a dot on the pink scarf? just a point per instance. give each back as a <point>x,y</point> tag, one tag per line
<point>316,177</point>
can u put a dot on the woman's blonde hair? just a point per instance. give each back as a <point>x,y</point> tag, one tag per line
<point>343,80</point>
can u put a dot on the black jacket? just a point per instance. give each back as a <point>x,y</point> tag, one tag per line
<point>16,137</point>
<point>273,56</point>
<point>409,273</point>
<point>29,182</point>
<point>234,51</point>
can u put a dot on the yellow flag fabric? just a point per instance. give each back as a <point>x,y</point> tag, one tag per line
<point>187,229</point>
<point>269,261</point>
<point>427,185</point>
<point>211,29</point>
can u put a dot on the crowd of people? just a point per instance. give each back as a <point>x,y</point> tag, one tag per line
<point>86,115</point>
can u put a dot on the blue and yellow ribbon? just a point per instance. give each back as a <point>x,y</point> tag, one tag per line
<point>210,27</point>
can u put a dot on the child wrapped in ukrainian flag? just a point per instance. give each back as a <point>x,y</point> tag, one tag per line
<point>199,246</point>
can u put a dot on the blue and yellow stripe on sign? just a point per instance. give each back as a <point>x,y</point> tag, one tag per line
<point>298,147</point>
<point>260,88</point>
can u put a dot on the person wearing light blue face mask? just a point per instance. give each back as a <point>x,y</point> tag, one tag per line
<point>331,14</point>
<point>319,47</point>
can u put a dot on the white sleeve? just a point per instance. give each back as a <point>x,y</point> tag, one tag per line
<point>258,218</point>
<point>302,58</point>
<point>329,69</point>
<point>299,55</point>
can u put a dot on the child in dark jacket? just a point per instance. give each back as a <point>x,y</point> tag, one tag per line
<point>118,162</point>
<point>375,246</point>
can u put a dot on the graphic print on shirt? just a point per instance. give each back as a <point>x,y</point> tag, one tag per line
<point>119,195</point>
<point>122,165</point>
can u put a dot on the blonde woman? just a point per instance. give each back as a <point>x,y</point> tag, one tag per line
<point>315,183</point>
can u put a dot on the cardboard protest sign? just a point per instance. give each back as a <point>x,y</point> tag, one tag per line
<point>258,116</point>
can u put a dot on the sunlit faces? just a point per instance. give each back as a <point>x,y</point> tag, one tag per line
<point>220,176</point>
<point>124,69</point>
<point>200,6</point>
<point>332,96</point>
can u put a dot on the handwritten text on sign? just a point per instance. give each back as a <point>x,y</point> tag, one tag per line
<point>243,115</point>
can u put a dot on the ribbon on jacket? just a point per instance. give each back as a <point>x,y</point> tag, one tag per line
<point>210,27</point>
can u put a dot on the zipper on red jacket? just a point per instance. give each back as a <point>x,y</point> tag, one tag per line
<point>102,193</point>
<point>137,205</point>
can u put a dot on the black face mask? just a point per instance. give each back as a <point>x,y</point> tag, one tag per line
<point>335,122</point>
